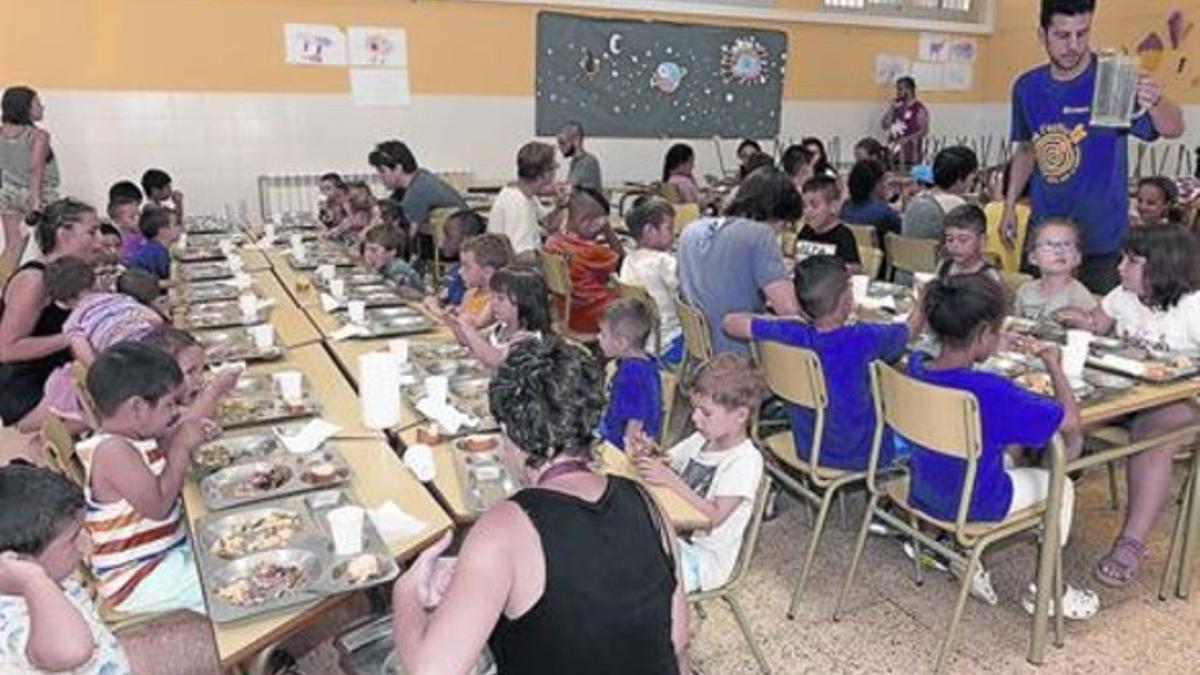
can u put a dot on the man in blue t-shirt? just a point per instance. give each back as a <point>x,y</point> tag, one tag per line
<point>1079,171</point>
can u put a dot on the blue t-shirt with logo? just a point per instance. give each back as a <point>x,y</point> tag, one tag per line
<point>1008,414</point>
<point>845,354</point>
<point>1082,171</point>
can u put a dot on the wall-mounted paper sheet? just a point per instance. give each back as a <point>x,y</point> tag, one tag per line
<point>957,76</point>
<point>378,46</point>
<point>932,47</point>
<point>961,50</point>
<point>889,67</point>
<point>312,44</point>
<point>375,87</point>
<point>928,75</point>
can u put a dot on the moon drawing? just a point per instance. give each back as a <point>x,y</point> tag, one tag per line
<point>614,43</point>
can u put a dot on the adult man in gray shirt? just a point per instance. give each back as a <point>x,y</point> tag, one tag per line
<point>734,263</point>
<point>585,168</point>
<point>418,190</point>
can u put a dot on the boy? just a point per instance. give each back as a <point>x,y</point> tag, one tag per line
<point>953,175</point>
<point>47,619</point>
<point>460,226</point>
<point>125,188</point>
<point>156,183</point>
<point>136,464</point>
<point>635,390</point>
<point>110,246</point>
<point>360,213</point>
<point>591,263</point>
<point>822,227</point>
<point>124,211</point>
<point>845,352</point>
<point>652,266</point>
<point>154,254</point>
<point>1056,255</point>
<point>481,256</point>
<point>385,249</point>
<point>717,469</point>
<point>964,237</point>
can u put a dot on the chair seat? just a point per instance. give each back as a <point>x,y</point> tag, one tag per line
<point>1112,435</point>
<point>897,490</point>
<point>783,448</point>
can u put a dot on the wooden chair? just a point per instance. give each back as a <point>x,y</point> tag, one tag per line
<point>738,577</point>
<point>86,405</point>
<point>787,243</point>
<point>437,225</point>
<point>59,448</point>
<point>864,235</point>
<point>685,214</point>
<point>947,422</point>
<point>871,260</point>
<point>910,254</point>
<point>697,338</point>
<point>640,294</point>
<point>668,381</point>
<point>795,375</point>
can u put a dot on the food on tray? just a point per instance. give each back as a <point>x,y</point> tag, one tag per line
<point>262,480</point>
<point>362,568</point>
<point>321,473</point>
<point>267,581</point>
<point>215,456</point>
<point>260,533</point>
<point>1038,383</point>
<point>429,434</point>
<point>479,443</point>
<point>1183,362</point>
<point>1156,371</point>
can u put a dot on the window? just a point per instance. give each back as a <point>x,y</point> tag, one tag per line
<point>944,10</point>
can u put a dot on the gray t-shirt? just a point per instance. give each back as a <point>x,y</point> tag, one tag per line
<point>1033,303</point>
<point>724,263</point>
<point>585,171</point>
<point>427,192</point>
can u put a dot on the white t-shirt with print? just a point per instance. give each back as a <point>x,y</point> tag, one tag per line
<point>107,659</point>
<point>726,473</point>
<point>517,217</point>
<point>1178,327</point>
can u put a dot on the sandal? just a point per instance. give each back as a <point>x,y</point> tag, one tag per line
<point>1078,604</point>
<point>1122,565</point>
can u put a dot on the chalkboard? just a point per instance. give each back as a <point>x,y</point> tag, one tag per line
<point>650,79</point>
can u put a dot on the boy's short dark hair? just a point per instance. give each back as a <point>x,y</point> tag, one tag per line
<point>952,165</point>
<point>128,370</point>
<point>795,157</point>
<point>155,179</point>
<point>36,505</point>
<point>469,221</point>
<point>766,195</point>
<point>118,201</point>
<point>139,284</point>
<point>391,213</point>
<point>126,189</point>
<point>826,185</point>
<point>648,213</point>
<point>392,154</point>
<point>1064,7</point>
<point>820,281</point>
<point>335,178</point>
<point>109,230</point>
<point>490,250</point>
<point>907,81</point>
<point>874,149</point>
<point>169,339</point>
<point>731,381</point>
<point>535,159</point>
<point>67,277</point>
<point>966,217</point>
<point>629,318</point>
<point>390,238</point>
<point>153,220</point>
<point>864,176</point>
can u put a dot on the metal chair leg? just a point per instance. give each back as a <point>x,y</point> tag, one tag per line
<point>1189,538</point>
<point>1059,627</point>
<point>963,592</point>
<point>859,544</point>
<point>842,507</point>
<point>813,541</point>
<point>1114,490</point>
<point>745,626</point>
<point>1171,573</point>
<point>918,572</point>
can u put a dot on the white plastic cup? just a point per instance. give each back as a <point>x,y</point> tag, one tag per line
<point>242,281</point>
<point>236,264</point>
<point>346,524</point>
<point>297,241</point>
<point>326,272</point>
<point>859,283</point>
<point>291,385</point>
<point>357,310</point>
<point>300,252</point>
<point>437,388</point>
<point>399,349</point>
<point>337,288</point>
<point>249,306</point>
<point>1076,352</point>
<point>225,246</point>
<point>263,334</point>
<point>182,240</point>
<point>276,219</point>
<point>269,231</point>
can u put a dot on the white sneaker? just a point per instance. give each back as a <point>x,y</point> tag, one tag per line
<point>1079,604</point>
<point>981,587</point>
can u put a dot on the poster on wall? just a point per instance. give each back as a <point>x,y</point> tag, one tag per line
<point>928,76</point>
<point>957,76</point>
<point>379,87</point>
<point>891,67</point>
<point>933,47</point>
<point>377,46</point>
<point>311,44</point>
<point>650,79</point>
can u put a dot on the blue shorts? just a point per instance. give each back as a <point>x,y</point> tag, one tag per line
<point>689,564</point>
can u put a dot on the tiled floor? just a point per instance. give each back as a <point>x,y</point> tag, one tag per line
<point>892,626</point>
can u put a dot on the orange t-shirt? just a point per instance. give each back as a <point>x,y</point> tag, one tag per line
<point>475,302</point>
<point>592,265</point>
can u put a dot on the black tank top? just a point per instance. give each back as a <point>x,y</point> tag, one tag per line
<point>606,606</point>
<point>22,382</point>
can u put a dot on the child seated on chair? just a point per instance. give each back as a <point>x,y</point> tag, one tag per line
<point>159,229</point>
<point>717,469</point>
<point>964,235</point>
<point>361,212</point>
<point>47,620</point>
<point>385,250</point>
<point>135,467</point>
<point>460,226</point>
<point>823,232</point>
<point>521,307</point>
<point>124,212</point>
<point>966,314</point>
<point>1056,255</point>
<point>652,266</point>
<point>635,402</point>
<point>1157,202</point>
<point>481,257</point>
<point>591,263</point>
<point>198,396</point>
<point>845,352</point>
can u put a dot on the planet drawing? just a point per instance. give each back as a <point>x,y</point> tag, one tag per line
<point>667,77</point>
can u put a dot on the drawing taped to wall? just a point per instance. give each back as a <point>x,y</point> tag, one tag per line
<point>311,44</point>
<point>376,46</point>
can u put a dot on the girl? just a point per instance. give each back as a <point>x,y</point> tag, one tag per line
<point>820,164</point>
<point>746,150</point>
<point>1157,202</point>
<point>521,308</point>
<point>28,169</point>
<point>1156,304</point>
<point>200,397</point>
<point>333,200</point>
<point>1056,255</point>
<point>678,166</point>
<point>966,313</point>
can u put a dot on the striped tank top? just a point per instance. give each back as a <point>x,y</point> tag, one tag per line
<point>126,546</point>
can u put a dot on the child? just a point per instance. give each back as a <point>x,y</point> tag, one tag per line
<point>1056,255</point>
<point>520,305</point>
<point>652,266</point>
<point>124,212</point>
<point>845,352</point>
<point>47,620</point>
<point>156,183</point>
<point>125,188</point>
<point>154,254</point>
<point>360,213</point>
<point>635,391</point>
<point>1157,202</point>
<point>333,200</point>
<point>963,237</point>
<point>966,313</point>
<point>952,175</point>
<point>460,226</point>
<point>867,204</point>
<point>482,256</point>
<point>110,246</point>
<point>136,465</point>
<point>385,249</point>
<point>97,321</point>
<point>822,227</point>
<point>1158,305</point>
<point>199,396</point>
<point>591,263</point>
<point>717,469</point>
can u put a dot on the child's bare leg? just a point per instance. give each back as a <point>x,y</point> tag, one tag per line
<point>179,643</point>
<point>14,241</point>
<point>1149,472</point>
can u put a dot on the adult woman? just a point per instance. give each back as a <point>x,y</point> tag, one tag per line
<point>678,165</point>
<point>28,171</point>
<point>867,205</point>
<point>747,149</point>
<point>821,165</point>
<point>31,341</point>
<point>537,579</point>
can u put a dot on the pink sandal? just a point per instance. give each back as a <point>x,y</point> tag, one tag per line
<point>1122,565</point>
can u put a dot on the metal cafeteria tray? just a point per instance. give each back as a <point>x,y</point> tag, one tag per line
<point>256,399</point>
<point>205,271</point>
<point>374,295</point>
<point>276,474</point>
<point>1156,367</point>
<point>484,477</point>
<point>238,446</point>
<point>199,253</point>
<point>421,352</point>
<point>235,344</point>
<point>389,321</point>
<point>352,276</point>
<point>309,551</point>
<point>209,291</point>
<point>206,225</point>
<point>314,259</point>
<point>221,314</point>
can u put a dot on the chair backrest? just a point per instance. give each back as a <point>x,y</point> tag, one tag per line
<point>639,293</point>
<point>864,235</point>
<point>696,335</point>
<point>871,259</point>
<point>60,448</point>
<point>557,273</point>
<point>795,375</point>
<point>750,537</point>
<point>911,254</point>
<point>787,243</point>
<point>79,373</point>
<point>685,214</point>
